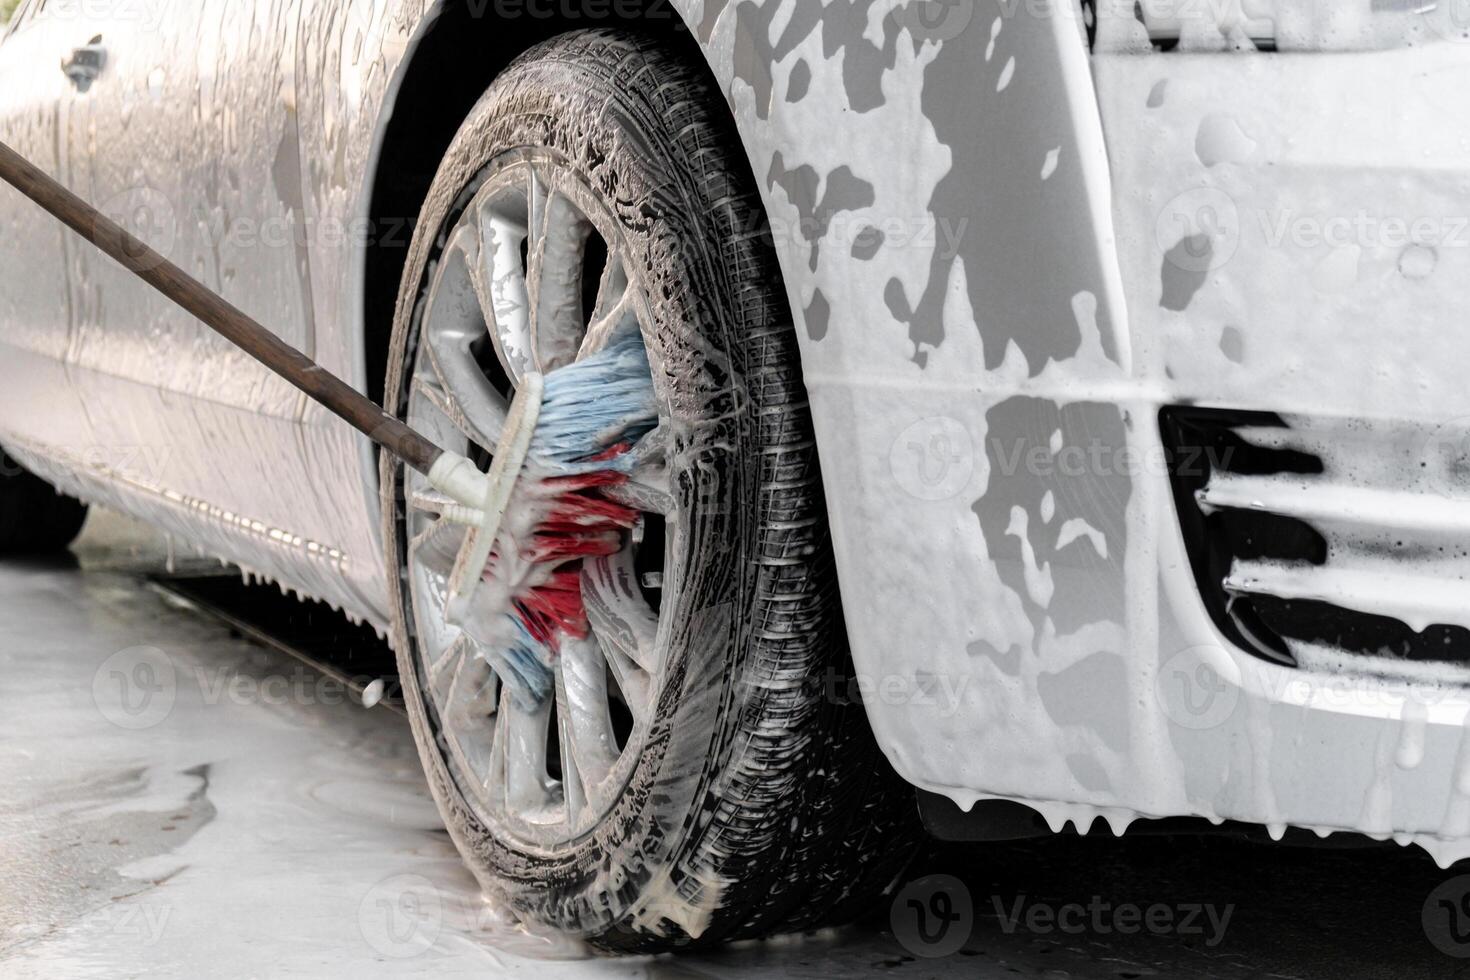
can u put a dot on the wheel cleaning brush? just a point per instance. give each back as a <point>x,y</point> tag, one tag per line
<point>516,588</point>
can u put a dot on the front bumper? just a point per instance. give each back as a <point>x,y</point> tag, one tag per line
<point>1293,236</point>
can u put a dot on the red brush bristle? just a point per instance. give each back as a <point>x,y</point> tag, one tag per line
<point>555,608</point>
<point>587,481</point>
<point>611,453</point>
<point>579,524</point>
<point>555,549</point>
<point>583,510</point>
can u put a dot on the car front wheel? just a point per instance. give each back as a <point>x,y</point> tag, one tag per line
<point>694,779</point>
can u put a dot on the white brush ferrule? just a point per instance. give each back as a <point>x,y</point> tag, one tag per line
<point>460,480</point>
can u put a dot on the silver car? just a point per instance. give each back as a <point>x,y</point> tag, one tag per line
<point>1062,416</point>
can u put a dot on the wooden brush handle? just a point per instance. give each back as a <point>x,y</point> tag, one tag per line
<point>216,313</point>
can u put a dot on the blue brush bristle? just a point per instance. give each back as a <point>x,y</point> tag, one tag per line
<point>588,408</point>
<point>525,669</point>
<point>595,404</point>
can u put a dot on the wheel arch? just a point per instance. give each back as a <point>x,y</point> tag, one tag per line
<point>457,51</point>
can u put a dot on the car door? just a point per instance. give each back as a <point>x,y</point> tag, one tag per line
<point>191,140</point>
<point>39,410</point>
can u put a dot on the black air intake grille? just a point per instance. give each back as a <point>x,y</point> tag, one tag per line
<point>1361,556</point>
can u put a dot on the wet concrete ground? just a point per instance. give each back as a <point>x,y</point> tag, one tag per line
<point>178,802</point>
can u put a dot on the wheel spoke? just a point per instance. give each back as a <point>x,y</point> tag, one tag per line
<point>452,323</point>
<point>613,310</point>
<point>502,291</point>
<point>429,501</point>
<point>476,694</point>
<point>435,398</point>
<point>470,403</point>
<point>436,547</point>
<point>620,617</point>
<point>465,690</point>
<point>583,711</point>
<point>612,289</point>
<point>555,249</point>
<point>650,486</point>
<point>474,688</point>
<point>536,218</point>
<point>574,788</point>
<point>453,670</point>
<point>460,648</point>
<point>478,244</point>
<point>521,740</point>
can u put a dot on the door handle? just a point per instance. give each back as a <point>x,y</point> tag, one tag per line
<point>84,65</point>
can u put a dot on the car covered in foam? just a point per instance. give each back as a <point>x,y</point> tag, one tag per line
<point>1123,336</point>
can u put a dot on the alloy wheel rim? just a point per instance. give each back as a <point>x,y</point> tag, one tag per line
<point>534,275</point>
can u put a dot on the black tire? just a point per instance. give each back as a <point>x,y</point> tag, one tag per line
<point>35,518</point>
<point>761,803</point>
